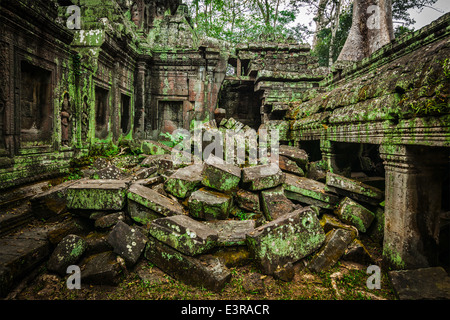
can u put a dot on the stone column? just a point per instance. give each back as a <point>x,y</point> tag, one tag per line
<point>139,103</point>
<point>414,177</point>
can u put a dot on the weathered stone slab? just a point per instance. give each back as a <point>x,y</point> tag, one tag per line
<point>219,175</point>
<point>354,189</point>
<point>248,200</point>
<point>262,177</point>
<point>144,173</point>
<point>421,284</point>
<point>231,232</point>
<point>209,205</point>
<point>296,154</point>
<point>275,204</point>
<point>309,191</point>
<point>51,202</point>
<point>128,242</point>
<point>102,269</point>
<point>184,180</point>
<point>290,166</point>
<point>353,213</point>
<point>97,195</point>
<point>286,239</point>
<point>66,253</point>
<point>109,220</point>
<point>146,204</point>
<point>184,234</point>
<point>336,243</point>
<point>357,252</point>
<point>205,271</point>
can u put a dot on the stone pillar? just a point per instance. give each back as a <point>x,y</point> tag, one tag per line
<point>139,103</point>
<point>414,177</point>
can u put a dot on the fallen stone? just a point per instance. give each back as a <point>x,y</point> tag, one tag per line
<point>109,220</point>
<point>204,271</point>
<point>66,253</point>
<point>336,243</point>
<point>421,284</point>
<point>184,180</point>
<point>275,204</point>
<point>357,252</point>
<point>296,154</point>
<point>220,176</point>
<point>102,269</point>
<point>262,177</point>
<point>286,239</point>
<point>354,189</point>
<point>184,234</point>
<point>329,222</point>
<point>148,182</point>
<point>231,232</point>
<point>209,205</point>
<point>144,173</point>
<point>97,195</point>
<point>111,172</point>
<point>353,213</point>
<point>285,273</point>
<point>248,200</point>
<point>162,162</point>
<point>52,202</point>
<point>290,166</point>
<point>309,191</point>
<point>97,243</point>
<point>128,242</point>
<point>146,204</point>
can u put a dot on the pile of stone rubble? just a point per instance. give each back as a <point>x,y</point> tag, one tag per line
<point>177,217</point>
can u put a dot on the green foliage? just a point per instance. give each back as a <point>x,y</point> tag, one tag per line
<point>240,21</point>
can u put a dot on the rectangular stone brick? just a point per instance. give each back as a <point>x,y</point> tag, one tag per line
<point>97,195</point>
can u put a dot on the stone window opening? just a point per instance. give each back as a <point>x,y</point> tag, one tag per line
<point>36,109</point>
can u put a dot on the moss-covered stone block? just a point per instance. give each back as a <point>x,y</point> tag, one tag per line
<point>275,204</point>
<point>262,177</point>
<point>309,191</point>
<point>184,180</point>
<point>354,188</point>
<point>184,234</point>
<point>97,195</point>
<point>146,204</point>
<point>209,205</point>
<point>336,243</point>
<point>248,200</point>
<point>220,176</point>
<point>355,214</point>
<point>286,239</point>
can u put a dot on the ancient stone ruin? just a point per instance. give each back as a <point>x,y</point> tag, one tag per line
<point>362,150</point>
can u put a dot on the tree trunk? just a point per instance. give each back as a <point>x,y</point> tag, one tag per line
<point>334,28</point>
<point>320,20</point>
<point>371,29</point>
